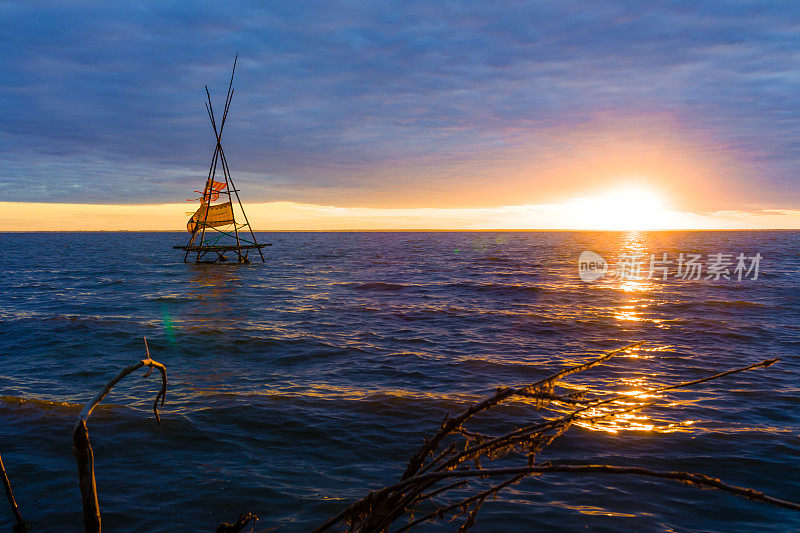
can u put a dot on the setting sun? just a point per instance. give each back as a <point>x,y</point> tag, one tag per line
<point>624,209</point>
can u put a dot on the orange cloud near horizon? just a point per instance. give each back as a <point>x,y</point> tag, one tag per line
<point>576,214</point>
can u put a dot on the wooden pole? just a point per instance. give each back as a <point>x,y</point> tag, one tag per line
<point>249,227</point>
<point>211,169</point>
<point>218,136</point>
<point>84,458</point>
<point>225,170</point>
<point>210,180</point>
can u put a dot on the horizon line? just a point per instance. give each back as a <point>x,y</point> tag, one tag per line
<point>419,230</point>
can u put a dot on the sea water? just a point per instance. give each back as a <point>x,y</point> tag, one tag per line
<point>299,384</point>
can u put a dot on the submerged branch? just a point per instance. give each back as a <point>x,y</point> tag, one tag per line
<point>536,429</point>
<point>698,480</point>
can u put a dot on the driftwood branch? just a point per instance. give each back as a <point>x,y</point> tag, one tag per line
<point>21,524</point>
<point>82,448</point>
<point>463,450</point>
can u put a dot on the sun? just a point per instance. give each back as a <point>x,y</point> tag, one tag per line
<point>626,209</point>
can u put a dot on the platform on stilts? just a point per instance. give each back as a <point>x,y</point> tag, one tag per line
<point>220,228</point>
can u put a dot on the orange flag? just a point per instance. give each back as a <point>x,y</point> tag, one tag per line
<point>216,186</point>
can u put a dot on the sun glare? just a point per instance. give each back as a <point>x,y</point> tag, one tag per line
<point>624,209</point>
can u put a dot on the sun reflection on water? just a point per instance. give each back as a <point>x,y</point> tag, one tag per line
<point>628,400</point>
<point>625,415</point>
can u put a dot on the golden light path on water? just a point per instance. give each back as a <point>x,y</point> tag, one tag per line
<point>635,391</point>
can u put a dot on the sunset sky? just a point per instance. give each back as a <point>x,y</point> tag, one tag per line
<point>388,115</point>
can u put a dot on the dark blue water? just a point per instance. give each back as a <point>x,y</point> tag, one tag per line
<point>298,385</point>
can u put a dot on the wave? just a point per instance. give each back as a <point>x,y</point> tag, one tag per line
<point>497,288</point>
<point>41,404</point>
<point>723,304</point>
<point>381,286</point>
<point>172,298</point>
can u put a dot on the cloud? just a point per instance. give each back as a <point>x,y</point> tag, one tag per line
<point>360,103</point>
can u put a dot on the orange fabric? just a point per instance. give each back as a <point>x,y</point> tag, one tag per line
<point>216,186</point>
<point>218,215</point>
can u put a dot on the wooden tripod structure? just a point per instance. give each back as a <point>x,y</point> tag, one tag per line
<point>214,228</point>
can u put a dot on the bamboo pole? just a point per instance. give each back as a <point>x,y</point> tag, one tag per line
<point>249,227</point>
<point>218,136</point>
<point>219,158</point>
<point>210,181</point>
<point>211,168</point>
<point>225,170</point>
<point>217,148</point>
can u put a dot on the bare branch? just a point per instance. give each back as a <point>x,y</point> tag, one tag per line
<point>538,428</point>
<point>379,509</point>
<point>89,407</point>
<point>450,425</point>
<point>480,496</point>
<point>698,480</point>
<point>82,448</point>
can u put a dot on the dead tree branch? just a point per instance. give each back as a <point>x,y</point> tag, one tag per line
<point>449,426</point>
<point>464,450</point>
<point>82,448</point>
